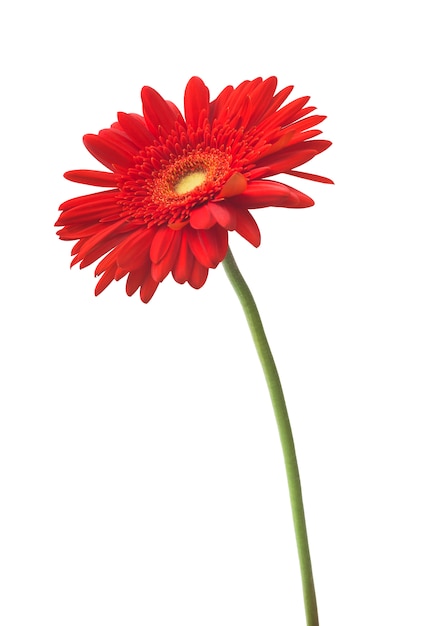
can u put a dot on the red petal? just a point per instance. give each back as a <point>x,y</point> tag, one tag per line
<point>236,184</point>
<point>175,110</point>
<point>137,277</point>
<point>308,122</point>
<point>120,273</point>
<point>283,116</point>
<point>136,128</point>
<point>68,233</point>
<point>315,177</point>
<point>98,198</point>
<point>90,177</point>
<point>319,145</point>
<point>161,243</point>
<point>287,113</point>
<point>261,99</point>
<point>116,136</point>
<point>287,160</point>
<point>208,246</point>
<point>106,264</point>
<point>244,113</point>
<point>135,250</point>
<point>196,100</point>
<point>107,153</point>
<point>220,103</point>
<point>157,113</point>
<point>161,270</point>
<point>148,289</point>
<point>102,236</point>
<point>303,136</point>
<point>89,213</point>
<point>105,281</point>
<point>264,193</point>
<point>198,275</point>
<point>237,99</point>
<point>98,251</point>
<point>184,264</point>
<point>295,133</point>
<point>202,218</point>
<point>224,214</point>
<point>293,156</point>
<point>278,100</point>
<point>248,228</point>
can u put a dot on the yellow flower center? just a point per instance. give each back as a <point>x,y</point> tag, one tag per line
<point>190,181</point>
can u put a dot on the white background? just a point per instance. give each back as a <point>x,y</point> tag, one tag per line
<point>142,481</point>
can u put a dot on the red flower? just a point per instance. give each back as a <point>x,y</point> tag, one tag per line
<point>179,185</point>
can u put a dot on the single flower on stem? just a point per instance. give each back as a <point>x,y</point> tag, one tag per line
<point>180,183</point>
<point>176,186</point>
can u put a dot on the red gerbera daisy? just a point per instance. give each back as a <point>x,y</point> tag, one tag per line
<point>178,185</point>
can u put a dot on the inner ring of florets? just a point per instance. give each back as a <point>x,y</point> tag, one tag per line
<point>166,191</point>
<point>191,176</point>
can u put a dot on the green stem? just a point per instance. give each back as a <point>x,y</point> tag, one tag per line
<point>284,428</point>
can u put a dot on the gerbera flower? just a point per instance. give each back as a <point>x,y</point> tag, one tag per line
<point>180,183</point>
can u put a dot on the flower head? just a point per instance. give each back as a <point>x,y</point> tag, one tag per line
<point>178,183</point>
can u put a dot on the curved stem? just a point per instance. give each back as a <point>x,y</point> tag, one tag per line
<point>277,398</point>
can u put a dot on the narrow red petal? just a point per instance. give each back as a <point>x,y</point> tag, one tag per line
<point>104,281</point>
<point>111,272</point>
<point>135,250</point>
<point>184,263</point>
<point>283,116</point>
<point>196,100</point>
<point>107,263</point>
<point>100,197</point>
<point>286,114</point>
<point>117,137</point>
<point>242,118</point>
<point>208,246</point>
<point>120,273</point>
<point>198,275</point>
<point>102,236</point>
<point>98,251</point>
<point>161,270</point>
<point>68,233</point>
<point>302,112</point>
<point>308,122</point>
<point>137,277</point>
<point>303,136</point>
<point>136,128</point>
<point>315,177</point>
<point>220,103</point>
<point>161,243</point>
<point>160,117</point>
<point>265,193</point>
<point>293,156</point>
<point>240,93</point>
<point>287,160</point>
<point>89,214</point>
<point>90,177</point>
<point>148,289</point>
<point>175,110</point>
<point>107,153</point>
<point>248,228</point>
<point>261,99</point>
<point>278,100</point>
